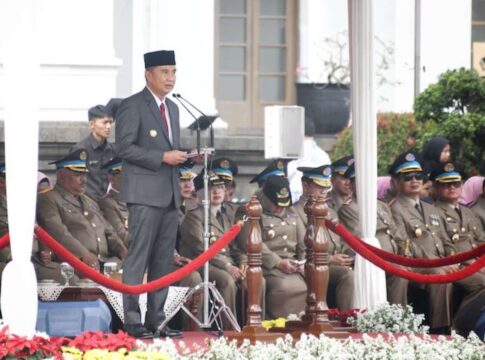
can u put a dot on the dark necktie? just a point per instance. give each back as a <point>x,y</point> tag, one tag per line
<point>219,218</point>
<point>420,210</point>
<point>458,210</point>
<point>164,116</point>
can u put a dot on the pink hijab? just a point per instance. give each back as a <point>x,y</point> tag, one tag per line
<point>472,189</point>
<point>383,185</point>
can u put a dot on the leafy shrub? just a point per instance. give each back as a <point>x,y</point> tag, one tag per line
<point>395,133</point>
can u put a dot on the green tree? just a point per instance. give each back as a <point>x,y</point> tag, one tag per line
<point>455,107</point>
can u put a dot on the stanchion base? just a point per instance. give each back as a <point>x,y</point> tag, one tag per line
<point>253,334</point>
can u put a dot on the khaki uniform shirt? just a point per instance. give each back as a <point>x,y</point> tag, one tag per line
<point>336,245</point>
<point>425,232</point>
<point>115,211</point>
<point>192,240</point>
<point>335,201</point>
<point>479,209</point>
<point>387,233</point>
<point>77,223</point>
<point>466,232</point>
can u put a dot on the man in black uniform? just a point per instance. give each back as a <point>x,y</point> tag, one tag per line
<point>99,150</point>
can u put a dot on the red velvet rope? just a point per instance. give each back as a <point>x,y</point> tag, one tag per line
<point>4,241</point>
<point>362,250</point>
<point>162,282</point>
<point>417,262</point>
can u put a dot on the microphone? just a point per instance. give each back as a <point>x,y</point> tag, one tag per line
<point>181,98</point>
<point>188,102</point>
<point>195,118</point>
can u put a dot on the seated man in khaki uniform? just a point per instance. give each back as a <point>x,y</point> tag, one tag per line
<point>283,246</point>
<point>74,219</point>
<point>316,182</point>
<point>479,207</point>
<point>462,227</point>
<point>425,232</point>
<point>44,267</point>
<point>187,191</point>
<point>341,190</point>
<point>227,170</point>
<point>222,267</point>
<point>386,232</point>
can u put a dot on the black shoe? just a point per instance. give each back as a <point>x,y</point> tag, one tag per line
<point>167,332</point>
<point>138,331</point>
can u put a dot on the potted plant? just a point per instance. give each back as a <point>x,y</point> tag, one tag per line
<point>326,98</point>
<point>326,95</point>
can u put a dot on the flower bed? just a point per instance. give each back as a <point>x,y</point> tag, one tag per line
<point>97,346</point>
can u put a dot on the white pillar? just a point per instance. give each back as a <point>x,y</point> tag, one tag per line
<point>21,65</point>
<point>370,285</point>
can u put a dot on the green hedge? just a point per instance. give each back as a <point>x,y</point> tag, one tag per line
<point>454,107</point>
<point>395,133</point>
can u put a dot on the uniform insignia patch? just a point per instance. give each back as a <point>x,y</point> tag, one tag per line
<point>410,157</point>
<point>449,167</point>
<point>225,164</point>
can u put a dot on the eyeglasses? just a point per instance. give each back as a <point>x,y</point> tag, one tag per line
<point>454,184</point>
<point>417,176</point>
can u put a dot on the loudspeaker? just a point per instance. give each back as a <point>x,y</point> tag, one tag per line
<point>284,130</point>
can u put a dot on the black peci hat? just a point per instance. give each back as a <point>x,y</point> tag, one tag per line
<point>159,58</point>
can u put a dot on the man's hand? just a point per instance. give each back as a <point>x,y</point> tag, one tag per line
<point>122,253</point>
<point>180,260</point>
<point>91,260</point>
<point>235,272</point>
<point>198,159</point>
<point>174,157</point>
<point>341,259</point>
<point>287,266</point>
<point>45,257</point>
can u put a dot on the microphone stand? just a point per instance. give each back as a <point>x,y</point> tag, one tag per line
<point>219,307</point>
<point>211,129</point>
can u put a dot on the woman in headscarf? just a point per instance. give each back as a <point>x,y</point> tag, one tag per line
<point>472,189</point>
<point>479,206</point>
<point>436,151</point>
<point>43,182</point>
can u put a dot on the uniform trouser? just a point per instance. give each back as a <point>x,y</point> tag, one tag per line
<point>397,289</point>
<point>285,294</point>
<point>439,300</point>
<point>227,286</point>
<point>153,233</point>
<point>341,280</point>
